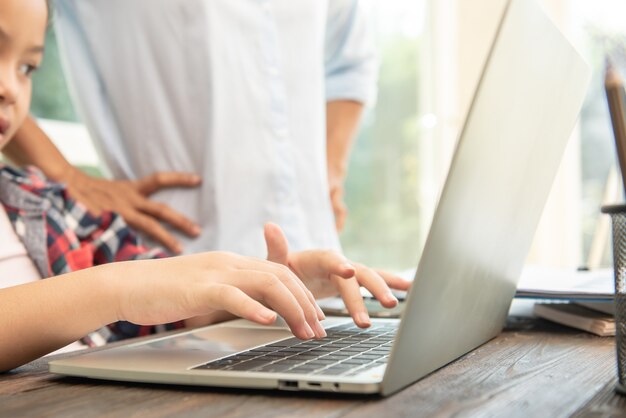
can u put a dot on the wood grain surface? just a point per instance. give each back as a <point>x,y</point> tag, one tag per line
<point>533,369</point>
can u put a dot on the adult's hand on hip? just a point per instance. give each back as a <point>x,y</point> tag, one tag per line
<point>130,198</point>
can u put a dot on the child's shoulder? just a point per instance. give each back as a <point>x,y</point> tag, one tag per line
<point>30,178</point>
<point>30,181</point>
<point>29,175</point>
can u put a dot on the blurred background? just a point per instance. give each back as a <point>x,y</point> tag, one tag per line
<point>431,54</point>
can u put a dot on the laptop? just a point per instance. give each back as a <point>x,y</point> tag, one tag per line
<point>524,109</point>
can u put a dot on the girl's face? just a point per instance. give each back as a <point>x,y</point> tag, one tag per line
<point>22,32</point>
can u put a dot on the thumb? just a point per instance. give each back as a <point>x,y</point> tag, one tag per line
<point>277,246</point>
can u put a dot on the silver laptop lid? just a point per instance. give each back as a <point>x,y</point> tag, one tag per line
<point>524,109</point>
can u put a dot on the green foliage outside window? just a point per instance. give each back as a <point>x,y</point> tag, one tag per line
<point>383,226</point>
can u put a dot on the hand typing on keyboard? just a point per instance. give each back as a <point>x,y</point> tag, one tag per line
<point>328,273</point>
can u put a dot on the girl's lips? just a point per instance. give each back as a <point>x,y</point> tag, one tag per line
<point>4,126</point>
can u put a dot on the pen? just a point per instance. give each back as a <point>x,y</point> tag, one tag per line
<point>616,99</point>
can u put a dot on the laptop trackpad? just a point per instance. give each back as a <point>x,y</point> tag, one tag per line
<point>185,350</point>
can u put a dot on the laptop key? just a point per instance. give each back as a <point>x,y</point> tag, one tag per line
<point>304,357</point>
<point>355,350</point>
<point>248,365</point>
<point>322,362</point>
<point>261,350</point>
<point>336,357</point>
<point>274,356</point>
<point>356,361</point>
<point>243,357</point>
<point>317,352</point>
<point>367,357</point>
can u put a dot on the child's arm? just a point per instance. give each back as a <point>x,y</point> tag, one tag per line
<point>40,317</point>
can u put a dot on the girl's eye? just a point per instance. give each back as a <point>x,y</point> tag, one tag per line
<point>27,69</point>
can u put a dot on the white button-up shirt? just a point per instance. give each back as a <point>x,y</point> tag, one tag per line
<point>233,90</point>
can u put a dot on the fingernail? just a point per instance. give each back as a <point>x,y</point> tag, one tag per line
<point>267,316</point>
<point>308,331</point>
<point>195,230</point>
<point>320,331</point>
<point>178,248</point>
<point>363,319</point>
<point>348,266</point>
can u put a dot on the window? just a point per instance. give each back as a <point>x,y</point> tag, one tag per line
<point>600,32</point>
<point>51,99</point>
<point>383,227</point>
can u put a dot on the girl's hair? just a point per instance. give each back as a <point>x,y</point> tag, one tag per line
<point>49,7</point>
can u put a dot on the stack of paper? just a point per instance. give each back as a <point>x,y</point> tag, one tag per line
<point>577,316</point>
<point>548,283</point>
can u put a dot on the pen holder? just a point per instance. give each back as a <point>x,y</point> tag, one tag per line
<point>618,220</point>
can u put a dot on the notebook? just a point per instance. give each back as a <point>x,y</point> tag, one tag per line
<point>523,111</point>
<point>577,316</point>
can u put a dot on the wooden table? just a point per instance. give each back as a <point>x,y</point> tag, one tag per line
<point>533,369</point>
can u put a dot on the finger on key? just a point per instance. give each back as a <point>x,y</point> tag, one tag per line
<point>394,281</point>
<point>372,281</point>
<point>268,288</point>
<point>350,292</point>
<point>304,297</point>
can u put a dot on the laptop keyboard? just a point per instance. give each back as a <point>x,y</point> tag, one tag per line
<point>346,351</point>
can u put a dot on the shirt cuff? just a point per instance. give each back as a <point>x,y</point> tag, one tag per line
<point>358,88</point>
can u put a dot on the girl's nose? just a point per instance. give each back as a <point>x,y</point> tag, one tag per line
<point>8,87</point>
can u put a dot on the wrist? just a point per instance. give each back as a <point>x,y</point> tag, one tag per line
<point>336,174</point>
<point>109,292</point>
<point>65,173</point>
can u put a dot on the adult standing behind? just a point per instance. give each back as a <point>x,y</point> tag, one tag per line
<point>260,98</point>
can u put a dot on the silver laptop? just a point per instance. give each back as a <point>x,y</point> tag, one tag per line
<point>522,114</point>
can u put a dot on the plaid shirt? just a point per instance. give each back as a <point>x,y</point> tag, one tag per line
<point>61,236</point>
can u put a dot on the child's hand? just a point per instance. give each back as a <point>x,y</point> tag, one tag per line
<point>168,290</point>
<point>327,273</point>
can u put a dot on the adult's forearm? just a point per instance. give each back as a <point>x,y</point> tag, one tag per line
<point>32,146</point>
<point>342,121</point>
<point>40,317</point>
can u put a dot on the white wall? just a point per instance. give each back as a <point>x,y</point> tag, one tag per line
<point>73,140</point>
